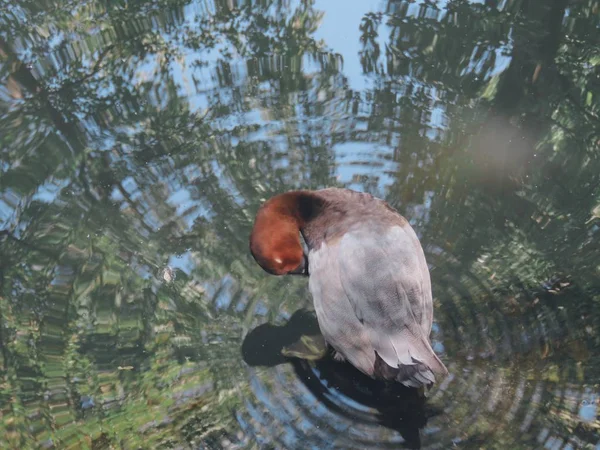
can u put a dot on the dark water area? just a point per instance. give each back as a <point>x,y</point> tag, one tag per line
<point>137,141</point>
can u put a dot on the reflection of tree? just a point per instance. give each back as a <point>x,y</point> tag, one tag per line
<point>425,72</point>
<point>505,205</point>
<point>87,336</point>
<point>133,133</point>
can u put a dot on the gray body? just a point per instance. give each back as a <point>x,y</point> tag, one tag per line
<point>371,288</point>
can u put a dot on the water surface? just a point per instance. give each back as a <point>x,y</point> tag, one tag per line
<point>138,139</point>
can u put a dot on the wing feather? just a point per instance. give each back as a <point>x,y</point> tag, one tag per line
<point>383,278</point>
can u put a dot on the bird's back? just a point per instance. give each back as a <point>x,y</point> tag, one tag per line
<point>372,293</point>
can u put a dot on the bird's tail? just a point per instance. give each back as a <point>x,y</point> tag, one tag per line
<point>413,363</point>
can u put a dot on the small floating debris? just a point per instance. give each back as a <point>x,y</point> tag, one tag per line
<point>167,274</point>
<point>595,214</point>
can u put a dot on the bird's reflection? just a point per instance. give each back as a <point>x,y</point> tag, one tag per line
<point>300,343</point>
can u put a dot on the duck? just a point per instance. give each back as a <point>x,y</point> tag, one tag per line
<point>367,276</point>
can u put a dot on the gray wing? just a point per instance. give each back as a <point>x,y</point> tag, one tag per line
<point>337,320</point>
<point>385,278</point>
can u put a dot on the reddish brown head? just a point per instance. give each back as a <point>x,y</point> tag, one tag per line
<point>275,239</point>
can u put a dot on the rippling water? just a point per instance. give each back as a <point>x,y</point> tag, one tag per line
<point>137,140</point>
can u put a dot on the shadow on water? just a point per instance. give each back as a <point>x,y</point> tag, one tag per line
<point>395,406</point>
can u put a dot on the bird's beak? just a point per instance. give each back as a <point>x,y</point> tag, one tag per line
<point>302,268</point>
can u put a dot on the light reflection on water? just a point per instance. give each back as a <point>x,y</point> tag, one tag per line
<point>137,141</point>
